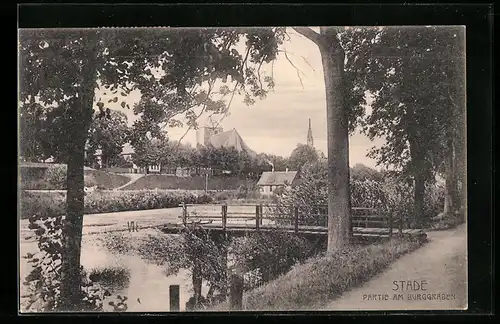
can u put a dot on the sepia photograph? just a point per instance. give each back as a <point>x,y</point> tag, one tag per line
<point>168,169</point>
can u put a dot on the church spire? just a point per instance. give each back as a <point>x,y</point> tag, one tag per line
<point>310,141</point>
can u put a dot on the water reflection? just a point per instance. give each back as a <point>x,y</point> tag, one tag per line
<point>147,286</point>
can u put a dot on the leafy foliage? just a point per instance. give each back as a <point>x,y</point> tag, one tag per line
<point>272,253</point>
<point>44,279</point>
<point>56,175</point>
<point>301,155</point>
<point>107,135</point>
<point>390,194</point>
<point>417,94</point>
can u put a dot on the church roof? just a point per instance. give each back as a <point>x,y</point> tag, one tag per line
<point>276,178</point>
<point>229,139</point>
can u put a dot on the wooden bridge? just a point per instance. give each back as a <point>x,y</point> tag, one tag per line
<point>237,220</point>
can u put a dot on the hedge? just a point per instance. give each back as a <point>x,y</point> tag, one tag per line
<point>54,203</point>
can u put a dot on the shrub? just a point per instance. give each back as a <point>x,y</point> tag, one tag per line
<point>43,282</point>
<point>391,195</point>
<point>56,176</point>
<point>271,253</point>
<point>112,278</point>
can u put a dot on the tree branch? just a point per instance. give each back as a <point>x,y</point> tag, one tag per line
<point>297,69</point>
<point>210,87</point>
<point>308,33</point>
<point>301,56</point>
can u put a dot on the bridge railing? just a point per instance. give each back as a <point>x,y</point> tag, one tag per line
<point>289,216</point>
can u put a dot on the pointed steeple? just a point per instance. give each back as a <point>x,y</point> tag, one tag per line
<point>310,141</point>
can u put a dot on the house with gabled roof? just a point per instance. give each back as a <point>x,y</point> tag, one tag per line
<point>270,181</point>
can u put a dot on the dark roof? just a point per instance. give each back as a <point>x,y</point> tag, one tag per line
<point>277,178</point>
<point>229,139</point>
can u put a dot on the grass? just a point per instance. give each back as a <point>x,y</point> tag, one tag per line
<point>322,279</point>
<point>163,181</point>
<point>105,180</point>
<point>101,179</point>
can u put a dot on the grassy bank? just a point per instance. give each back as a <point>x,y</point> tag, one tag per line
<point>321,279</point>
<point>57,180</point>
<point>163,181</point>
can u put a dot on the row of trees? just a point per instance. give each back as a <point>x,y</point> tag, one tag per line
<point>172,154</point>
<point>414,74</point>
<point>107,137</point>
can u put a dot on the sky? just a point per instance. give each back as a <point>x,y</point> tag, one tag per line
<point>276,124</point>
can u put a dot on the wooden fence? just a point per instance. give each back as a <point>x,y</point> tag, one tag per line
<point>295,217</point>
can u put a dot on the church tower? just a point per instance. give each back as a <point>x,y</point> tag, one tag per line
<point>310,141</point>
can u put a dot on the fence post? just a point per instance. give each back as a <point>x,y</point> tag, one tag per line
<point>236,292</point>
<point>296,216</point>
<point>224,217</point>
<point>261,213</point>
<point>184,213</point>
<point>174,298</point>
<point>257,217</point>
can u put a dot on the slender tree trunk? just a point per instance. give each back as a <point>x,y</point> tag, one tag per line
<point>339,218</point>
<point>460,179</point>
<point>449,197</point>
<point>197,283</point>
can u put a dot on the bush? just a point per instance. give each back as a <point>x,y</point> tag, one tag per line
<point>390,195</point>
<point>271,253</point>
<point>56,176</point>
<point>50,204</point>
<point>113,278</point>
<point>321,279</point>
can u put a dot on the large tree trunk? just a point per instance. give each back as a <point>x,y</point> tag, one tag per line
<point>419,177</point>
<point>339,218</point>
<point>339,213</point>
<point>418,200</point>
<point>72,230</point>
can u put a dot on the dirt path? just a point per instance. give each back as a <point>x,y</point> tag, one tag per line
<point>441,264</point>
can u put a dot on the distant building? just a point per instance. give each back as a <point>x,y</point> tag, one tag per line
<point>228,139</point>
<point>203,134</point>
<point>310,140</point>
<point>270,181</point>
